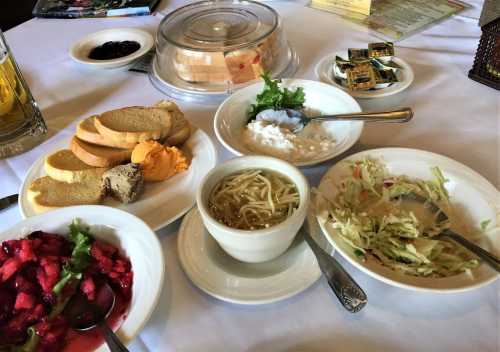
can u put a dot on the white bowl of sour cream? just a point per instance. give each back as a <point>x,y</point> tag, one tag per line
<point>316,143</point>
<point>259,245</point>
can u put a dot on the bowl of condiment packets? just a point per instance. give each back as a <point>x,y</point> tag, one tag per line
<point>371,72</point>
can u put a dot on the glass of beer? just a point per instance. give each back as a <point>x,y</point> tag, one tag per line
<point>21,123</point>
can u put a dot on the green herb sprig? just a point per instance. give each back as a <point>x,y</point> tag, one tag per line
<point>276,98</point>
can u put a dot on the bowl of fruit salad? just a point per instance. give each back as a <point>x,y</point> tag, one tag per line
<point>48,259</point>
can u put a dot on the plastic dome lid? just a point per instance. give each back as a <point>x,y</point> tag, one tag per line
<point>207,50</point>
<point>218,25</point>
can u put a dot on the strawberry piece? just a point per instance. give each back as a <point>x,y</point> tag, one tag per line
<point>48,273</point>
<point>24,301</point>
<point>9,268</point>
<point>88,287</point>
<point>26,251</point>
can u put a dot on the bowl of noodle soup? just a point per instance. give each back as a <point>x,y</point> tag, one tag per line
<point>253,206</point>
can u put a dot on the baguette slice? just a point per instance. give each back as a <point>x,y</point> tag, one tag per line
<point>46,193</point>
<point>87,132</point>
<point>98,155</point>
<point>134,124</point>
<point>181,128</point>
<point>65,166</point>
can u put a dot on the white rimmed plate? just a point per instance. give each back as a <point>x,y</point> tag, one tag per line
<point>162,202</point>
<point>123,230</point>
<point>80,51</point>
<point>225,278</point>
<point>324,72</point>
<point>231,117</point>
<point>468,191</point>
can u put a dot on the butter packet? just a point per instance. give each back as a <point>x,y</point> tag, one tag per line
<point>385,50</point>
<point>357,54</point>
<point>361,77</point>
<point>384,78</point>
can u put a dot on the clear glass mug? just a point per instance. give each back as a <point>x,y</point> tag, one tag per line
<point>21,123</point>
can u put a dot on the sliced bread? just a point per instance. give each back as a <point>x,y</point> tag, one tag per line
<point>45,193</point>
<point>87,132</point>
<point>65,166</point>
<point>134,124</point>
<point>98,155</point>
<point>181,128</point>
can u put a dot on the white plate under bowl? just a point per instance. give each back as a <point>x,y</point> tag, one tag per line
<point>129,234</point>
<point>162,202</point>
<point>80,51</point>
<point>225,278</point>
<point>468,191</point>
<point>231,117</point>
<point>324,72</point>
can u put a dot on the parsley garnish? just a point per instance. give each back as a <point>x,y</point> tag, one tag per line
<point>276,98</point>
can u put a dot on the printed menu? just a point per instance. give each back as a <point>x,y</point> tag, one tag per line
<point>394,19</point>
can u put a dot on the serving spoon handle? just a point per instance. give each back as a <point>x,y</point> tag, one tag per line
<point>114,344</point>
<point>400,115</point>
<point>487,257</point>
<point>352,297</point>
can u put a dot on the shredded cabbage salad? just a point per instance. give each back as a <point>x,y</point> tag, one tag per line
<point>370,214</point>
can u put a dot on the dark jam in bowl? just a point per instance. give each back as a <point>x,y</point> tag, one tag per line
<point>114,50</point>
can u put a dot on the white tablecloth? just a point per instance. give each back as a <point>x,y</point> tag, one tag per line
<point>454,116</point>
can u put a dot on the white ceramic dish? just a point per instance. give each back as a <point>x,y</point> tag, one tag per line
<point>254,246</point>
<point>324,72</point>
<point>80,51</point>
<point>221,276</point>
<point>468,190</point>
<point>231,117</point>
<point>123,230</point>
<point>162,202</point>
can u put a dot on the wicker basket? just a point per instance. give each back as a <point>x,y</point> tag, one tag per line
<point>486,68</point>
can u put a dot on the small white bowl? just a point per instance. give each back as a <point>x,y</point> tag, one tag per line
<point>254,246</point>
<point>231,117</point>
<point>80,51</point>
<point>123,230</point>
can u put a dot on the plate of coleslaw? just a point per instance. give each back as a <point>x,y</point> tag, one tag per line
<point>367,210</point>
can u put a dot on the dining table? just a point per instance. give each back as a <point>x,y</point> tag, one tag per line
<point>453,116</point>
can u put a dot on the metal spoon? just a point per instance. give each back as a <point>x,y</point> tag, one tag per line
<point>296,120</point>
<point>85,315</point>
<point>489,258</point>
<point>352,297</point>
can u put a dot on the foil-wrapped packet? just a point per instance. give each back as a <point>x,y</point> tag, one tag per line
<point>357,54</point>
<point>385,50</point>
<point>384,78</point>
<point>361,77</point>
<point>372,68</point>
<point>340,67</point>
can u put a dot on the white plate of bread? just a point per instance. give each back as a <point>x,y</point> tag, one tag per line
<point>147,161</point>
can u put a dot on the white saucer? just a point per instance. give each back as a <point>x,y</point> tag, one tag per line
<point>324,72</point>
<point>228,279</point>
<point>79,52</point>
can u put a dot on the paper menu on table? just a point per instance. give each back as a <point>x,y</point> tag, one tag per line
<point>397,19</point>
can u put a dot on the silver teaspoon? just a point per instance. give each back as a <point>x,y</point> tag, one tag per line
<point>84,315</point>
<point>352,297</point>
<point>296,120</point>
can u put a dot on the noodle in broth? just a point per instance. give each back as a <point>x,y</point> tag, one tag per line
<point>253,199</point>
